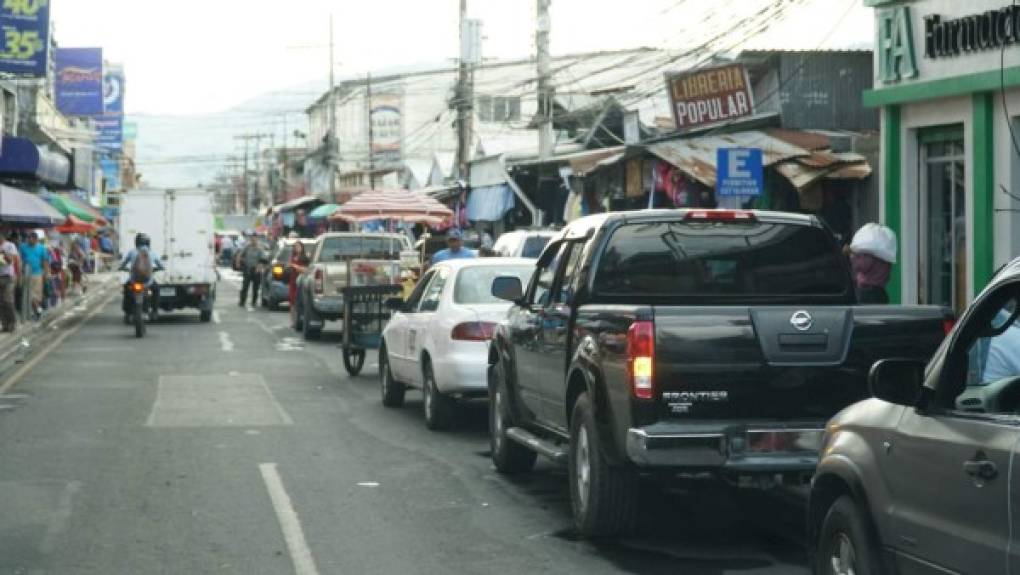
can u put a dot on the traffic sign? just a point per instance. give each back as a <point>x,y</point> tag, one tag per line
<point>739,173</point>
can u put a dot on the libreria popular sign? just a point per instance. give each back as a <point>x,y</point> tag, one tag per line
<point>712,96</point>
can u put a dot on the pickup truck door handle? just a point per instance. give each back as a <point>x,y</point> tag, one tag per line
<point>981,469</point>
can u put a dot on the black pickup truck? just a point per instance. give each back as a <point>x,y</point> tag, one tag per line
<point>684,342</point>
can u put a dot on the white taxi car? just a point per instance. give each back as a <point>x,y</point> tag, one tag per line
<point>438,340</point>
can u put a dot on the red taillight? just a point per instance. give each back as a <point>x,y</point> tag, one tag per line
<point>138,287</point>
<point>473,331</point>
<point>641,358</point>
<point>320,281</point>
<point>948,324</point>
<point>720,216</point>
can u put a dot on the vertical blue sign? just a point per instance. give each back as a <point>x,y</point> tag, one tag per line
<point>25,37</point>
<point>111,133</point>
<point>79,84</point>
<point>113,90</point>
<point>739,173</point>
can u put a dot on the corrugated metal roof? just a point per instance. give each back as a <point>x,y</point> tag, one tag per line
<point>697,156</point>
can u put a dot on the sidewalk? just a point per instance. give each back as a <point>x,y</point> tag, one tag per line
<point>99,287</point>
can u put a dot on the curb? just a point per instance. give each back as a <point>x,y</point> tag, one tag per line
<point>21,342</point>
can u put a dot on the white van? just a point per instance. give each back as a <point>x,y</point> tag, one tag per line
<point>180,223</point>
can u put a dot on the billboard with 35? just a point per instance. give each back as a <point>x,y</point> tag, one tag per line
<point>24,37</point>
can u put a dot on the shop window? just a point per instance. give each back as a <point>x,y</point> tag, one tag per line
<point>942,215</point>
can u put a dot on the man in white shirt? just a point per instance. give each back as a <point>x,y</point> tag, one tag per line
<point>9,264</point>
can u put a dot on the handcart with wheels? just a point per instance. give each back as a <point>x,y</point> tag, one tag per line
<point>365,317</point>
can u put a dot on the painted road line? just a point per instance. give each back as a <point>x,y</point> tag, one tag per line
<point>46,351</point>
<point>225,342</point>
<point>300,554</point>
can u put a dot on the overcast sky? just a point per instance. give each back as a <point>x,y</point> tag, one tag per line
<point>199,56</point>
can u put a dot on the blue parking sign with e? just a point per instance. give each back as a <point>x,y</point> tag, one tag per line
<point>740,173</point>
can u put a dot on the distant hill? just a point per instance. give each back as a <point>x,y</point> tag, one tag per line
<point>187,150</point>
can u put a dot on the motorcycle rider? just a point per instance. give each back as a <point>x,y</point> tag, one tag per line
<point>143,246</point>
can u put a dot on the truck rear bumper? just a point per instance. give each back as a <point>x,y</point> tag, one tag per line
<point>734,448</point>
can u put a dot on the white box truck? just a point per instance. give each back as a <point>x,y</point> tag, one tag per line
<point>180,223</point>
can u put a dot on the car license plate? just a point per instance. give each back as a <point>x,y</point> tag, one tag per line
<point>167,292</point>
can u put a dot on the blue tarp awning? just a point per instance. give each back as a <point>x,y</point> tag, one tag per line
<point>22,158</point>
<point>489,203</point>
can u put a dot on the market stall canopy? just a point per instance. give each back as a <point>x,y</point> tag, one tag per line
<point>69,206</point>
<point>75,226</point>
<point>25,209</point>
<point>401,205</point>
<point>23,159</point>
<point>324,211</point>
<point>801,157</point>
<point>304,202</point>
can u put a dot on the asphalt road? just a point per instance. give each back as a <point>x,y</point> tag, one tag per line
<point>235,447</point>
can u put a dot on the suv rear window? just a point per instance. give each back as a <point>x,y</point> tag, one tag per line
<point>383,248</point>
<point>713,259</point>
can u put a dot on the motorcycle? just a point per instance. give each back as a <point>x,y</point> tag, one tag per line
<point>139,302</point>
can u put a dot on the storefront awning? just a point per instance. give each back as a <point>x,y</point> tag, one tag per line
<point>781,150</point>
<point>23,159</point>
<point>69,206</point>
<point>24,209</point>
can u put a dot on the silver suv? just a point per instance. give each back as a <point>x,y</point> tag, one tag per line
<point>918,479</point>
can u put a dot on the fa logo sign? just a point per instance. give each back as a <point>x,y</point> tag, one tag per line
<point>896,59</point>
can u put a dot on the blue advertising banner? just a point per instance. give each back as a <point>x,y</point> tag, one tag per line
<point>79,84</point>
<point>111,133</point>
<point>113,89</point>
<point>111,173</point>
<point>25,37</point>
<point>739,173</point>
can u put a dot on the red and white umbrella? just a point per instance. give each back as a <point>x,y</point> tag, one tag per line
<point>401,205</point>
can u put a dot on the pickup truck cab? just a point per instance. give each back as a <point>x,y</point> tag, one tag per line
<point>340,260</point>
<point>674,342</point>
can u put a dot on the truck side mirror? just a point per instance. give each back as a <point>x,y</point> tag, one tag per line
<point>898,381</point>
<point>508,288</point>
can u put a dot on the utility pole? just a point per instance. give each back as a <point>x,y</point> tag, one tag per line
<point>371,132</point>
<point>465,96</point>
<point>246,206</point>
<point>331,138</point>
<point>546,91</point>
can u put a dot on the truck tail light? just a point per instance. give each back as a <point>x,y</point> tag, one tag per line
<point>641,358</point>
<point>720,216</point>
<point>320,281</point>
<point>137,287</point>
<point>277,272</point>
<point>473,331</point>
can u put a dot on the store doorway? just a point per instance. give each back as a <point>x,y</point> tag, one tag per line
<point>943,241</point>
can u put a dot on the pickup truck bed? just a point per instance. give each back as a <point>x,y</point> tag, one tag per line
<point>675,342</point>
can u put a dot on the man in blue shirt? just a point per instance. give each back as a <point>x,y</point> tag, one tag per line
<point>454,249</point>
<point>36,259</point>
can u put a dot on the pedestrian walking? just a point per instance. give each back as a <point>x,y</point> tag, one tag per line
<point>76,265</point>
<point>9,264</point>
<point>872,255</point>
<point>35,259</point>
<point>298,263</point>
<point>250,260</point>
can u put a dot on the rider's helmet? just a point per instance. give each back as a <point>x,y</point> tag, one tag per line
<point>142,240</point>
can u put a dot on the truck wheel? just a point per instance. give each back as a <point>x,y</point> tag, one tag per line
<point>310,333</point>
<point>439,409</point>
<point>845,543</point>
<point>604,497</point>
<point>508,456</point>
<point>391,389</point>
